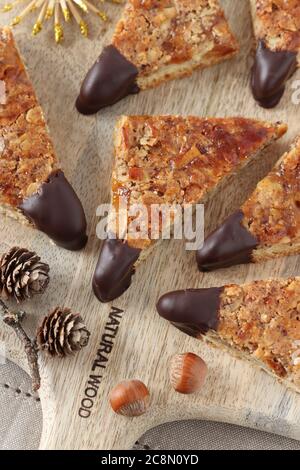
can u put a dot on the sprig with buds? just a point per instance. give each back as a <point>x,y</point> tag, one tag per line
<point>58,11</point>
<point>14,320</point>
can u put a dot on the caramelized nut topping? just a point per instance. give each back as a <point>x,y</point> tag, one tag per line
<point>272,213</point>
<point>178,160</point>
<point>156,33</point>
<point>263,319</point>
<point>277,22</point>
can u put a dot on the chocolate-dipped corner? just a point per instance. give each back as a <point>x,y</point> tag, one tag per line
<point>228,245</point>
<point>114,270</point>
<point>56,210</point>
<point>269,74</point>
<point>193,311</point>
<point>111,78</point>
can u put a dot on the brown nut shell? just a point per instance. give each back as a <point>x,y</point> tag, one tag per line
<point>130,398</point>
<point>187,373</point>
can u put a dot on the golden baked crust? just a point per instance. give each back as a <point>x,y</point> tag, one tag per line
<point>169,38</point>
<point>261,320</point>
<point>179,160</point>
<point>272,213</point>
<point>26,152</point>
<point>277,23</point>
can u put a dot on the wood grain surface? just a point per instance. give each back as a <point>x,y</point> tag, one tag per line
<point>234,391</point>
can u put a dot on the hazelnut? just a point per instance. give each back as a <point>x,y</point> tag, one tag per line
<point>187,373</point>
<point>130,398</point>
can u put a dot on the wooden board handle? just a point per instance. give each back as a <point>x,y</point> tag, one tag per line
<point>140,345</point>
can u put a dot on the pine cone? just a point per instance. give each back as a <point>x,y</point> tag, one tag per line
<point>62,333</point>
<point>22,274</point>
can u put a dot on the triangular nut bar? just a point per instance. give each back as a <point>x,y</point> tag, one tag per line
<point>33,188</point>
<point>155,41</point>
<point>266,226</point>
<point>277,31</point>
<point>170,160</point>
<point>258,322</point>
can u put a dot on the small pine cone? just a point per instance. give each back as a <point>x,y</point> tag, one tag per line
<point>22,274</point>
<point>62,333</point>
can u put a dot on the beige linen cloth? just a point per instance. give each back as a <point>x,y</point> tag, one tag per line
<point>21,425</point>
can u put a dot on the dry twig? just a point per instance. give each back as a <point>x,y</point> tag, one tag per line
<point>14,320</point>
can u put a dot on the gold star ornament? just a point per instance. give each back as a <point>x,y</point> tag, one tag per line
<point>58,11</point>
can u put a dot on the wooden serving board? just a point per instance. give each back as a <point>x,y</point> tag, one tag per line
<point>141,343</point>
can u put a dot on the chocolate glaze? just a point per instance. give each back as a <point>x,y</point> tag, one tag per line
<point>111,78</point>
<point>193,311</point>
<point>114,269</point>
<point>270,72</point>
<point>228,245</point>
<point>56,210</point>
